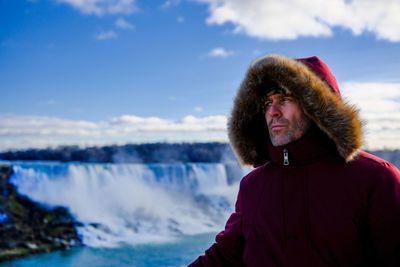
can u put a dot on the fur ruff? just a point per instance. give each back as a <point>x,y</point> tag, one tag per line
<point>247,129</point>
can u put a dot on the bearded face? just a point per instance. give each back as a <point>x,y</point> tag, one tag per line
<point>285,119</point>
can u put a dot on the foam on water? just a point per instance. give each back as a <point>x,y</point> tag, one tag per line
<point>134,203</point>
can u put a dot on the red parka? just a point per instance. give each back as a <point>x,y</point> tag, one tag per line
<point>317,201</point>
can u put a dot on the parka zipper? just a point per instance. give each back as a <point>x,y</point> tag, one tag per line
<point>285,157</point>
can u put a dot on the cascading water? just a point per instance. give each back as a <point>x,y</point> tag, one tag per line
<point>134,203</point>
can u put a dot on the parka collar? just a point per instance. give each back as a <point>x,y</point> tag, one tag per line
<point>311,147</point>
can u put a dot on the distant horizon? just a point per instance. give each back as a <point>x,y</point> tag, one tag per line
<point>83,146</point>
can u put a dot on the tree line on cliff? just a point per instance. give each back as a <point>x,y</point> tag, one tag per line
<point>149,153</point>
<point>130,153</point>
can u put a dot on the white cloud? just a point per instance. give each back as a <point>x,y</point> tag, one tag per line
<point>170,3</point>
<point>290,19</point>
<point>106,35</point>
<point>180,19</point>
<point>18,132</point>
<point>123,24</point>
<point>220,52</point>
<point>379,105</point>
<point>102,7</point>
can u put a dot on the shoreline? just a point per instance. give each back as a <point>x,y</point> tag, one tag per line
<point>30,228</point>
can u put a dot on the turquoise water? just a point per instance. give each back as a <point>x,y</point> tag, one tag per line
<point>179,253</point>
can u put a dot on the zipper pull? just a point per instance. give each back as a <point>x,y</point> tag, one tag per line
<point>285,157</point>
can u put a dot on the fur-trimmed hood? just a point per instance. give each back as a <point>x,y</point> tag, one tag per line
<point>310,81</point>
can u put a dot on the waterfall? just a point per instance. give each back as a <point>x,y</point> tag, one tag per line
<point>134,203</point>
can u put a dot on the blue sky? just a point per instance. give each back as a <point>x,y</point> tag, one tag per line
<point>93,72</point>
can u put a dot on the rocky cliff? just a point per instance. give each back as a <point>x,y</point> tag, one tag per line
<point>27,227</point>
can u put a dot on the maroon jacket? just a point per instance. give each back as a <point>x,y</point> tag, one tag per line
<point>331,206</point>
<point>317,211</point>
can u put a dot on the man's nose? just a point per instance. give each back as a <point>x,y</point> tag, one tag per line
<point>274,110</point>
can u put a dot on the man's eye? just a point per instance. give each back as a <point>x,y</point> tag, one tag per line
<point>286,99</point>
<point>267,104</point>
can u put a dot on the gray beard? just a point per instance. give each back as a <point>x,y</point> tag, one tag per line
<point>296,130</point>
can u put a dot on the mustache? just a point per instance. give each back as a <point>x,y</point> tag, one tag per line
<point>279,120</point>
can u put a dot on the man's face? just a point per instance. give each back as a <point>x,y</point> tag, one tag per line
<point>285,119</point>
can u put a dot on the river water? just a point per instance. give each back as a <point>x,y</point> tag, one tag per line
<point>178,253</point>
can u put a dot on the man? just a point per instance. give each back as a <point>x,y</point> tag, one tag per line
<point>313,199</point>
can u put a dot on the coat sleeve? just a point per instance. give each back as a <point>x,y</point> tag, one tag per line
<point>384,217</point>
<point>228,248</point>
